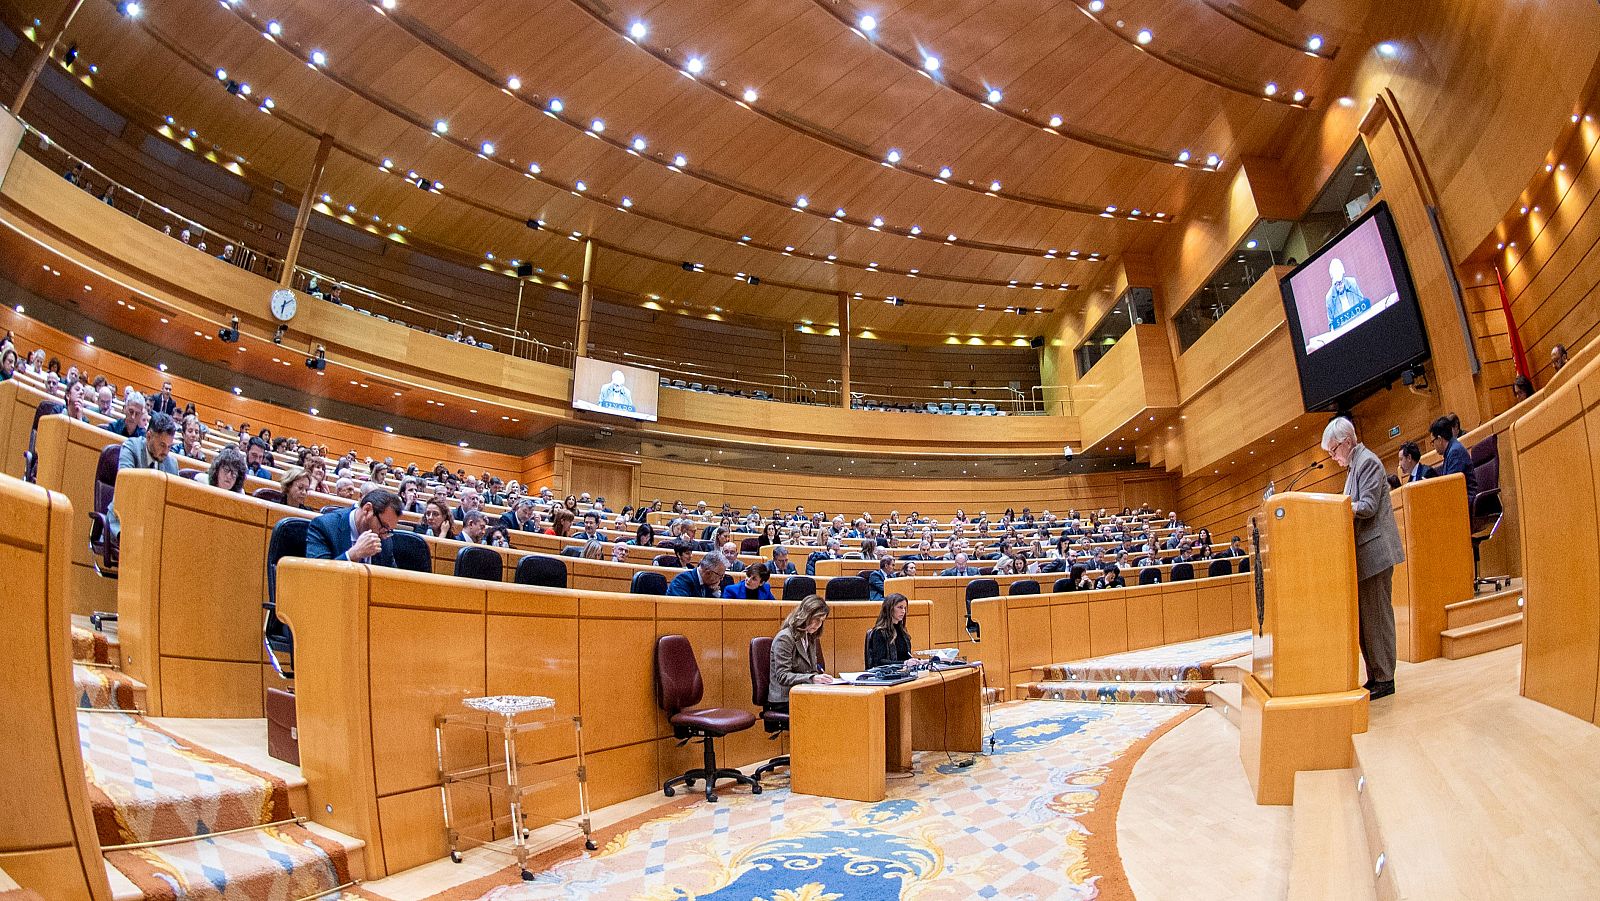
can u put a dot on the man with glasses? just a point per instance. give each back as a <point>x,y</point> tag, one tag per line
<point>359,534</point>
<point>1378,550</point>
<point>703,581</point>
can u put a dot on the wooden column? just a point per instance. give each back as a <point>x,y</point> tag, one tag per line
<point>303,216</point>
<point>585,300</point>
<point>844,350</point>
<point>57,29</point>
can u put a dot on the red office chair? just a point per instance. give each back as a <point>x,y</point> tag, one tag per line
<point>678,689</point>
<point>776,722</point>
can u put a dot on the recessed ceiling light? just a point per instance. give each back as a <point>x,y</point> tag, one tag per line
<point>944,172</point>
<point>579,184</point>
<point>1096,5</point>
<point>273,28</point>
<point>441,127</point>
<point>750,95</point>
<point>893,156</point>
<point>639,143</point>
<point>994,187</point>
<point>802,202</point>
<point>680,161</point>
<point>318,58</point>
<point>994,95</point>
<point>867,24</point>
<point>638,30</point>
<point>1055,121</point>
<point>487,149</point>
<point>1388,48</point>
<point>1299,96</point>
<point>930,63</point>
<point>597,126</point>
<point>514,83</point>
<point>1145,36</point>
<point>1271,88</point>
<point>695,65</point>
<point>1213,160</point>
<point>555,105</point>
<point>877,222</point>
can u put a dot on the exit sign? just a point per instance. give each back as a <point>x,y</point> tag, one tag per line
<point>1394,431</point>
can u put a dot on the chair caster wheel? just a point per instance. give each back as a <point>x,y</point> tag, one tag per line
<point>590,845</point>
<point>668,791</point>
<point>527,876</point>
<point>755,789</point>
<point>710,797</point>
<point>455,856</point>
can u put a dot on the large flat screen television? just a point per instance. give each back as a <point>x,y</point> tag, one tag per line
<point>605,387</point>
<point>1353,314</point>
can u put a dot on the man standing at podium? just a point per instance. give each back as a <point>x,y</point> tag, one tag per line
<point>1378,550</point>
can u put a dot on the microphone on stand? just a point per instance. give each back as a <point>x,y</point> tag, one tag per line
<point>1272,487</point>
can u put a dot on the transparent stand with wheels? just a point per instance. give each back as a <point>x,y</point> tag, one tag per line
<point>509,716</point>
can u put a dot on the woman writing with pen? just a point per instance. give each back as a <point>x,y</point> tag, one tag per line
<point>797,652</point>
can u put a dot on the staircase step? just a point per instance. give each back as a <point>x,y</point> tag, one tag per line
<point>1227,698</point>
<point>1483,637</point>
<point>267,864</point>
<point>104,688</point>
<point>1330,859</point>
<point>1185,661</point>
<point>1234,670</point>
<point>1117,692</point>
<point>994,695</point>
<point>1483,608</point>
<point>90,646</point>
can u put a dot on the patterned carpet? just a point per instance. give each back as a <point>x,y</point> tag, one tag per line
<point>90,646</point>
<point>104,688</point>
<point>1035,820</point>
<point>1186,661</point>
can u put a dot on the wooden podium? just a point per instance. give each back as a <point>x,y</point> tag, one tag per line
<point>1437,536</point>
<point>1303,698</point>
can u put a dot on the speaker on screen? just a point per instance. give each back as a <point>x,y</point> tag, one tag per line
<point>1354,321</point>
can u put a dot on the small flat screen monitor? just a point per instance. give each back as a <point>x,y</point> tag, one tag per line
<point>1353,314</point>
<point>605,387</point>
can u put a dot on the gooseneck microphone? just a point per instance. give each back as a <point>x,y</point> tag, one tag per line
<point>1272,487</point>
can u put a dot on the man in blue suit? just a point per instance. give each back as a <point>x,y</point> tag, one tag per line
<point>703,581</point>
<point>359,534</point>
<point>1456,458</point>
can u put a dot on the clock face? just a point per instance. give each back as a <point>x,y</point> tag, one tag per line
<point>283,304</point>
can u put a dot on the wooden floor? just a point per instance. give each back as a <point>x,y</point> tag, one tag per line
<point>1478,792</point>
<point>1189,827</point>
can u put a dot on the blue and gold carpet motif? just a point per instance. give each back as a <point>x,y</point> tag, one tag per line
<point>1034,821</point>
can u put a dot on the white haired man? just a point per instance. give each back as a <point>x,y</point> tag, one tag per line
<point>1378,549</point>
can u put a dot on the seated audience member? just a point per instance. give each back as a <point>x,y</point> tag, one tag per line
<point>1234,549</point>
<point>780,565</point>
<point>685,552</point>
<point>730,553</point>
<point>961,568</point>
<point>151,450</point>
<point>255,456</point>
<point>1004,566</point>
<point>162,401</point>
<point>436,520</point>
<point>889,641</point>
<point>830,552</point>
<point>73,405</point>
<point>797,652</point>
<point>8,364</point>
<point>909,569</point>
<point>1521,389</point>
<point>1085,578</point>
<point>317,465</point>
<point>645,536</point>
<point>498,536</point>
<point>524,517</point>
<point>1412,469</point>
<point>409,501</point>
<point>769,534</point>
<point>1110,577</point>
<point>475,528</point>
<point>470,501</point>
<point>619,553</point>
<point>754,587</point>
<point>875,577</point>
<point>227,471</point>
<point>347,488</point>
<point>358,534</point>
<point>594,549</point>
<point>591,527</point>
<point>703,581</point>
<point>296,484</point>
<point>192,445</point>
<point>560,523</point>
<point>1455,456</point>
<point>131,425</point>
<point>1558,357</point>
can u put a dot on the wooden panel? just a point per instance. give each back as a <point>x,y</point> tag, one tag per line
<point>212,688</point>
<point>616,679</point>
<point>1181,612</point>
<point>1215,608</point>
<point>1069,632</point>
<point>1146,612</point>
<point>412,688</point>
<point>1108,626</point>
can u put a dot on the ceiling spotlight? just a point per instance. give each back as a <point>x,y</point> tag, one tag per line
<point>1315,43</point>
<point>487,149</point>
<point>1183,156</point>
<point>994,187</point>
<point>1387,48</point>
<point>597,126</point>
<point>555,105</point>
<point>893,156</point>
<point>579,185</point>
<point>389,429</point>
<point>514,83</point>
<point>1250,244</point>
<point>533,169</point>
<point>1271,88</point>
<point>639,144</point>
<point>129,9</point>
<point>994,95</point>
<point>1055,121</point>
<point>695,65</point>
<point>1144,36</point>
<point>222,74</point>
<point>318,58</point>
<point>627,202</point>
<point>1299,96</point>
<point>916,229</point>
<point>944,171</point>
<point>680,161</point>
<point>267,103</point>
<point>867,24</point>
<point>838,213</point>
<point>440,127</point>
<point>273,27</point>
<point>877,222</point>
<point>1213,161</point>
<point>1096,5</point>
<point>750,95</point>
<point>801,202</point>
<point>638,30</point>
<point>930,63</point>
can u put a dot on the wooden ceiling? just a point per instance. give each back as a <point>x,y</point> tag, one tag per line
<point>829,104</point>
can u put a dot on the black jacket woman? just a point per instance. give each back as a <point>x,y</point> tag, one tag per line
<point>888,641</point>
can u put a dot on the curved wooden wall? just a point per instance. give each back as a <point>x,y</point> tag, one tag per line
<point>47,834</point>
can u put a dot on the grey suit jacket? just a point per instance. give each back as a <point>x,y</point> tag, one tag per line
<point>136,455</point>
<point>1377,538</point>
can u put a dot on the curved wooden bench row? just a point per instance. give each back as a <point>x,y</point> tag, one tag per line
<point>48,841</point>
<point>382,652</point>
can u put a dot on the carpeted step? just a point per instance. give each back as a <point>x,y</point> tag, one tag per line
<point>147,785</point>
<point>994,695</point>
<point>104,688</point>
<point>91,646</point>
<point>1095,692</point>
<point>1189,661</point>
<point>273,863</point>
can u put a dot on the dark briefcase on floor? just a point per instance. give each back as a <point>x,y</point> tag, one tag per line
<point>283,734</point>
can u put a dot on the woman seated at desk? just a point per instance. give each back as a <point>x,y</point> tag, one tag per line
<point>888,641</point>
<point>797,652</point>
<point>753,588</point>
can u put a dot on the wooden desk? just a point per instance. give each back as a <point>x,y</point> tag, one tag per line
<point>844,738</point>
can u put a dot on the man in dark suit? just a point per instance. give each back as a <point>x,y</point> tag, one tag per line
<point>359,534</point>
<point>832,553</point>
<point>780,565</point>
<point>1378,550</point>
<point>875,577</point>
<point>523,517</point>
<point>961,568</point>
<point>703,581</point>
<point>1412,469</point>
<point>164,402</point>
<point>1455,456</point>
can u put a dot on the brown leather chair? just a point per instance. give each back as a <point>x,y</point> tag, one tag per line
<point>678,689</point>
<point>776,722</point>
